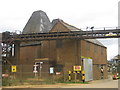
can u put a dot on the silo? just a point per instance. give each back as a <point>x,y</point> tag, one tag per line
<point>38,23</point>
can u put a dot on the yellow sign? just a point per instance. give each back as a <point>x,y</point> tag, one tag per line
<point>77,68</point>
<point>13,68</point>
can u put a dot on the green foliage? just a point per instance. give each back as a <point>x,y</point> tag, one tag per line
<point>60,79</point>
<point>54,79</point>
<point>11,82</point>
<point>6,82</point>
<point>49,81</point>
<point>35,81</point>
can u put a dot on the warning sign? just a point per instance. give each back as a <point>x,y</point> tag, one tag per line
<point>13,68</point>
<point>77,68</point>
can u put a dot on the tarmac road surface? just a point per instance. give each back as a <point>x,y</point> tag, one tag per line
<point>108,83</point>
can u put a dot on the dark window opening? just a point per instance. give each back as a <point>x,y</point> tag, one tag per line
<point>58,43</point>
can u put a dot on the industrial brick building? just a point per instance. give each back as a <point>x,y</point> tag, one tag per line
<point>50,58</point>
<point>64,54</point>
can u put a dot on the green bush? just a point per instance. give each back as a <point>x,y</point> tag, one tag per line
<point>6,82</point>
<point>60,79</point>
<point>10,82</point>
<point>49,81</point>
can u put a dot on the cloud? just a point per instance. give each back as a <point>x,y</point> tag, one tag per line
<point>112,47</point>
<point>109,41</point>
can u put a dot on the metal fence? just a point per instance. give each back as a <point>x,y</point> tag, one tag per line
<point>22,74</point>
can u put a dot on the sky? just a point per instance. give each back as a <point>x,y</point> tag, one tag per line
<point>14,14</point>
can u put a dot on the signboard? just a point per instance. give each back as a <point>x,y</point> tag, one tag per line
<point>77,68</point>
<point>35,68</point>
<point>51,70</point>
<point>13,68</point>
<point>58,73</point>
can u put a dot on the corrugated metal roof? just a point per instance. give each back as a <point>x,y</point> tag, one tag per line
<point>72,28</point>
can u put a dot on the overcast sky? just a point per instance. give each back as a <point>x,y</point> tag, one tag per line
<point>14,14</point>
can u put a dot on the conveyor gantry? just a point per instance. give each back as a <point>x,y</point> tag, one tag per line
<point>93,34</point>
<point>12,41</point>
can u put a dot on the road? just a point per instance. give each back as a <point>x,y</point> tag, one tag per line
<point>97,84</point>
<point>106,83</point>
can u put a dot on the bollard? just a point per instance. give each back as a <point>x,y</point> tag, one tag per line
<point>69,77</point>
<point>83,76</point>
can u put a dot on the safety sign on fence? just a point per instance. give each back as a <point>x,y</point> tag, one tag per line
<point>13,68</point>
<point>35,68</point>
<point>77,68</point>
